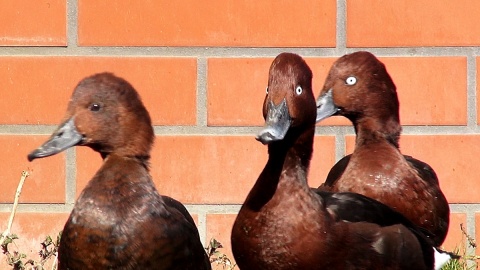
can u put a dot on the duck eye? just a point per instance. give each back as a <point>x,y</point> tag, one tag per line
<point>351,80</point>
<point>266,90</point>
<point>298,90</point>
<point>95,107</point>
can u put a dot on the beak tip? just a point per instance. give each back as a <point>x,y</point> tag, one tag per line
<point>34,155</point>
<point>262,138</point>
<point>268,135</point>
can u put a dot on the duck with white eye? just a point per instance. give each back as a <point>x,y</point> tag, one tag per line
<point>278,120</point>
<point>326,102</point>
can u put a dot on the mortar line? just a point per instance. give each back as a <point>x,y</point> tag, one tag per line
<point>61,207</point>
<point>70,176</point>
<point>225,52</point>
<point>201,95</point>
<point>219,208</point>
<point>251,130</point>
<point>341,27</point>
<point>471,91</point>
<point>72,24</point>
<point>37,208</point>
<point>202,227</point>
<point>471,232</point>
<point>340,147</point>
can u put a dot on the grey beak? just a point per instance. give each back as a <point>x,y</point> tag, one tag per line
<point>325,106</point>
<point>64,137</point>
<point>277,123</point>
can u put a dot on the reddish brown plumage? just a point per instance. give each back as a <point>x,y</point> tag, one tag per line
<point>120,221</point>
<point>377,168</point>
<point>283,224</point>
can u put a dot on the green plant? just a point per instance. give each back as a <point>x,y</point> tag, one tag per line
<point>19,260</point>
<point>465,258</point>
<point>217,257</point>
<point>14,258</point>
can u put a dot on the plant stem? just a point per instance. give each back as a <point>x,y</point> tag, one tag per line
<point>54,265</point>
<point>25,174</point>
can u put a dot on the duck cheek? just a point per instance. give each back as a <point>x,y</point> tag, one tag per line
<point>63,138</point>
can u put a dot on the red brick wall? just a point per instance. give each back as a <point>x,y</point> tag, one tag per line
<point>201,68</point>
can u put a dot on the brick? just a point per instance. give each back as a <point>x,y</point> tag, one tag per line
<point>181,160</point>
<point>32,229</point>
<point>195,169</point>
<point>455,238</point>
<point>219,227</point>
<point>323,159</point>
<point>234,164</point>
<point>37,23</point>
<point>167,86</point>
<point>420,82</point>
<point>409,24</point>
<point>301,23</point>
<point>229,78</point>
<point>207,169</point>
<point>451,157</point>
<point>88,163</point>
<point>425,87</point>
<point>46,182</point>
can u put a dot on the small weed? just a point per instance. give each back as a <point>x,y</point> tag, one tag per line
<point>217,257</point>
<point>463,262</point>
<point>19,261</point>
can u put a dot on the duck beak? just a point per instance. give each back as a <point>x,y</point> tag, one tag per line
<point>325,106</point>
<point>277,123</point>
<point>64,137</point>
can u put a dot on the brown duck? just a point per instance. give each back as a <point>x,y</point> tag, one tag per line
<point>359,87</point>
<point>120,221</point>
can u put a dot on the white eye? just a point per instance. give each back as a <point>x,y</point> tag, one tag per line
<point>351,80</point>
<point>266,90</point>
<point>298,90</point>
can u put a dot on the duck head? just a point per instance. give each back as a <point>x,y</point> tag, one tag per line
<point>358,86</point>
<point>289,102</point>
<point>105,113</point>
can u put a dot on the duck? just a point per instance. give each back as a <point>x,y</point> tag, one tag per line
<point>284,224</point>
<point>120,220</point>
<point>359,88</point>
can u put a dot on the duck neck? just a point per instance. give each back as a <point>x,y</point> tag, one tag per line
<point>122,175</point>
<point>134,138</point>
<point>143,160</point>
<point>373,129</point>
<point>287,167</point>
